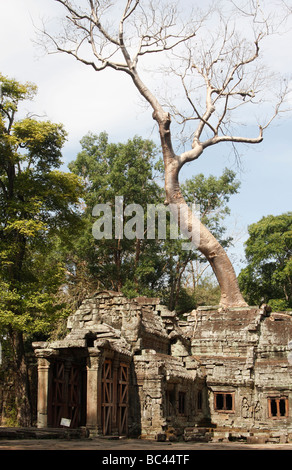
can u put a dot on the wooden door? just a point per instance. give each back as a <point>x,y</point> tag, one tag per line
<point>123,398</point>
<point>74,392</point>
<point>107,397</point>
<point>57,405</point>
<point>115,398</point>
<point>66,395</point>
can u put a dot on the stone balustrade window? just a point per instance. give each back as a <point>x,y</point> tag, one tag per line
<point>224,401</point>
<point>278,407</point>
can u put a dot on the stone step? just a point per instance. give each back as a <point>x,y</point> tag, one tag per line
<point>41,433</point>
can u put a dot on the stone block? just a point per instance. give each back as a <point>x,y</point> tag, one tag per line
<point>161,437</point>
<point>256,439</point>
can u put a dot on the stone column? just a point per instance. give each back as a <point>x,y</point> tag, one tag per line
<point>43,392</point>
<point>93,419</point>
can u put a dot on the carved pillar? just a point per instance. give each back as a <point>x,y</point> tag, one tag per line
<point>93,419</point>
<point>43,392</point>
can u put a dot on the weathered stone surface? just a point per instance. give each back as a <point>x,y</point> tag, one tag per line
<point>245,353</point>
<point>218,374</point>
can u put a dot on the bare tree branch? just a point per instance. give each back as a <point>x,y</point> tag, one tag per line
<point>213,56</point>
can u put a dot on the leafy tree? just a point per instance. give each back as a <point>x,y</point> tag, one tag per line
<point>140,266</point>
<point>268,275</point>
<point>38,208</point>
<point>110,170</point>
<point>206,293</point>
<point>212,195</point>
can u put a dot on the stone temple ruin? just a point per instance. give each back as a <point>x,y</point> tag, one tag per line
<point>133,368</point>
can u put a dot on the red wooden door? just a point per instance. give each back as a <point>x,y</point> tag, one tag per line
<point>107,397</point>
<point>65,399</point>
<point>123,397</point>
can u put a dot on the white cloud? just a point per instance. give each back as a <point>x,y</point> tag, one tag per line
<point>68,91</point>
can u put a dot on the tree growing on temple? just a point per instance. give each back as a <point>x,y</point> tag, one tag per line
<point>142,265</point>
<point>209,69</point>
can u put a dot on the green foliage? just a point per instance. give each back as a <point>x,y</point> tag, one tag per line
<point>212,194</point>
<point>268,275</point>
<point>109,170</point>
<point>39,208</point>
<point>139,266</point>
<point>205,293</point>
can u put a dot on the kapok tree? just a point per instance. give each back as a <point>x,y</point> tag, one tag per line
<point>212,56</point>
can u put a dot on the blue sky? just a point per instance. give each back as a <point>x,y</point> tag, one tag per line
<point>84,101</point>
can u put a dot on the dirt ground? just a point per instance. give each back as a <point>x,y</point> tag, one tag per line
<point>122,445</point>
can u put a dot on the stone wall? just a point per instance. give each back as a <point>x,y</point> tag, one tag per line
<point>168,394</point>
<point>110,314</point>
<point>217,374</point>
<point>146,336</point>
<point>245,356</point>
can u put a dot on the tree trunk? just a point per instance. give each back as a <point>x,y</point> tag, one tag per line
<point>21,381</point>
<point>205,242</point>
<point>208,245</point>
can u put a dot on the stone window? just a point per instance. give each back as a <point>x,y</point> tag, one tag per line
<point>200,400</point>
<point>170,397</point>
<point>224,401</point>
<point>181,403</point>
<point>278,407</point>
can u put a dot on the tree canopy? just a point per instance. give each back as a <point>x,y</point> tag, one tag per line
<point>268,275</point>
<point>111,170</point>
<point>141,265</point>
<point>39,205</point>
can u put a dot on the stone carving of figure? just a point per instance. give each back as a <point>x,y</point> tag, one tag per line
<point>257,411</point>
<point>245,413</point>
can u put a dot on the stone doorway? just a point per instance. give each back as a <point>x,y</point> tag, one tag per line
<point>66,394</point>
<point>115,393</point>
